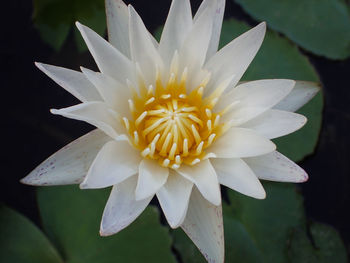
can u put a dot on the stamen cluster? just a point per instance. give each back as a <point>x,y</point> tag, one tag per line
<point>171,126</point>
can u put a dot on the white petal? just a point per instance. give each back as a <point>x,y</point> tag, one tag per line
<point>236,174</point>
<point>204,226</point>
<point>276,167</point>
<point>193,52</point>
<point>72,81</point>
<point>152,177</point>
<point>118,25</point>
<point>235,57</point>
<point>95,113</point>
<point>204,177</point>
<point>70,164</point>
<point>303,92</point>
<point>275,123</point>
<point>122,208</point>
<point>108,59</point>
<point>116,161</point>
<point>142,48</point>
<point>240,142</point>
<point>218,17</point>
<point>113,92</point>
<point>178,24</point>
<point>253,98</point>
<point>174,197</point>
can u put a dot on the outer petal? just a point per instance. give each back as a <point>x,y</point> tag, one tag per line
<point>178,24</point>
<point>95,113</point>
<point>108,59</point>
<point>218,17</point>
<point>72,81</point>
<point>116,161</point>
<point>114,93</point>
<point>203,224</point>
<point>303,92</point>
<point>142,48</point>
<point>118,25</point>
<point>236,174</point>
<point>122,208</point>
<point>70,164</point>
<point>276,167</point>
<point>174,197</point>
<point>204,177</point>
<point>253,98</point>
<point>274,123</point>
<point>239,143</point>
<point>235,57</point>
<point>152,177</point>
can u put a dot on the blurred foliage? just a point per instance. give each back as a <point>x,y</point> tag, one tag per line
<point>55,18</point>
<point>71,218</point>
<point>22,242</point>
<point>270,230</point>
<point>320,26</point>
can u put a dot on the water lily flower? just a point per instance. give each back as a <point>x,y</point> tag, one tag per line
<point>174,121</point>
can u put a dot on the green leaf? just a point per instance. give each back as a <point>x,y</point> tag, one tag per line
<point>255,230</point>
<point>22,242</point>
<point>269,221</point>
<point>239,246</point>
<point>279,58</point>
<point>71,217</point>
<point>326,246</point>
<point>55,18</point>
<point>320,26</point>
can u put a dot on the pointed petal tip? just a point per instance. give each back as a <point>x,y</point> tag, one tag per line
<point>304,177</point>
<point>131,10</point>
<point>262,27</point>
<point>24,180</point>
<point>78,25</point>
<point>261,195</point>
<point>303,121</point>
<point>41,66</point>
<point>55,111</point>
<point>104,233</point>
<point>174,226</point>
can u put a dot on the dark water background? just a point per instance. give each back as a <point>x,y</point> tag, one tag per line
<point>29,133</point>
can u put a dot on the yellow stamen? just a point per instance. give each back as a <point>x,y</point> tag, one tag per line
<point>170,126</point>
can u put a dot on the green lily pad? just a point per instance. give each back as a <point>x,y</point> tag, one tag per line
<point>326,246</point>
<point>22,242</point>
<point>255,230</point>
<point>279,58</point>
<point>71,218</point>
<point>320,26</point>
<point>55,18</point>
<point>270,230</point>
<point>239,246</point>
<point>269,221</point>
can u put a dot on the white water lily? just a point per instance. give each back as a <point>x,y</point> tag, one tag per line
<point>173,121</point>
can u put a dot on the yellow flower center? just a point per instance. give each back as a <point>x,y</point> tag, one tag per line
<point>171,126</point>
